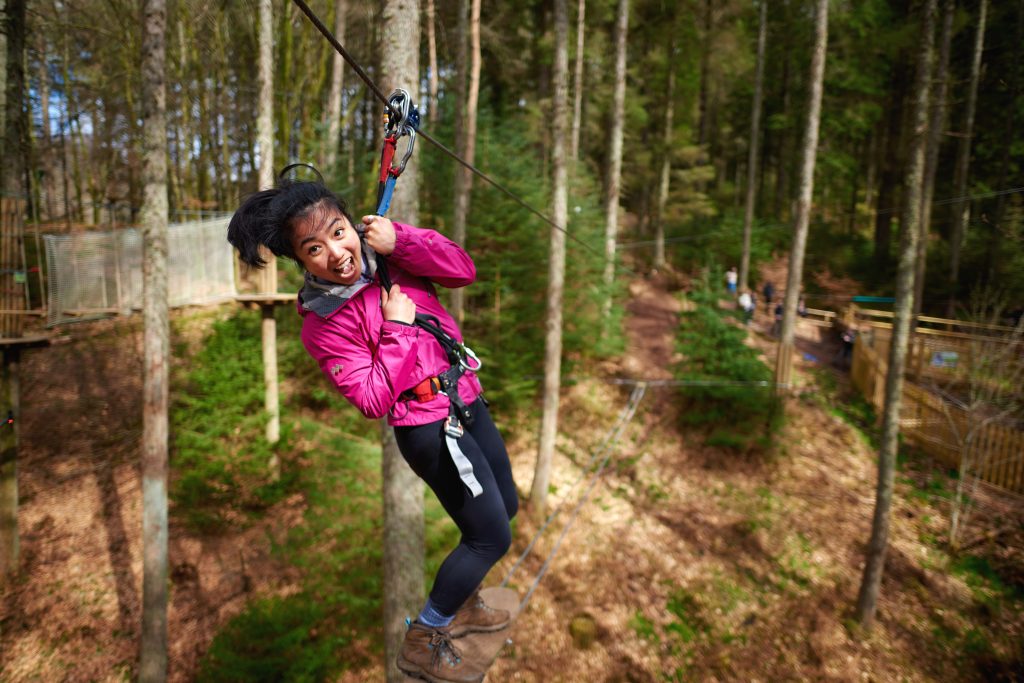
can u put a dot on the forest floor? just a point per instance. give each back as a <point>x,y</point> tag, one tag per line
<point>688,562</point>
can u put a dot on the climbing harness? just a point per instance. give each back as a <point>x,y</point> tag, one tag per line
<point>462,359</point>
<point>400,120</point>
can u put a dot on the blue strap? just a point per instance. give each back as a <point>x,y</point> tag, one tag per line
<point>385,199</point>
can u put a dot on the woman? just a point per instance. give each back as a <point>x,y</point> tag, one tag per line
<point>373,345</point>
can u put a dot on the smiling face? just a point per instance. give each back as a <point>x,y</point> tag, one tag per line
<point>327,245</point>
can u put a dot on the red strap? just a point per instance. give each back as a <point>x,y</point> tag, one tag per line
<point>387,155</point>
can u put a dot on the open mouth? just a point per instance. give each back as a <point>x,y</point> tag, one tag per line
<point>347,268</point>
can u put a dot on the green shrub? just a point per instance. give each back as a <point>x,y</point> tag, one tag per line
<point>725,397</point>
<point>219,454</point>
<point>276,639</point>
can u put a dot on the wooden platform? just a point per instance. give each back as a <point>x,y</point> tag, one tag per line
<point>484,648</point>
<point>267,299</point>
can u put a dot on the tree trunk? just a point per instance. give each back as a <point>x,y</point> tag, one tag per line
<point>867,598</point>
<point>556,265</point>
<point>3,74</point>
<point>755,134</point>
<point>705,86</point>
<point>156,334</point>
<point>936,124</point>
<point>577,104</point>
<point>403,490</point>
<point>996,247</point>
<point>15,140</point>
<point>666,159</point>
<point>9,537</point>
<point>611,195</point>
<point>962,208</point>
<point>432,114</point>
<point>783,365</point>
<point>463,176</point>
<point>890,152</point>
<point>268,275</point>
<point>334,103</point>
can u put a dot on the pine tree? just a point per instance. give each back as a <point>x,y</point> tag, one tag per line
<point>867,598</point>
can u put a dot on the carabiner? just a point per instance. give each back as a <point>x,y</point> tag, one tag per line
<point>468,352</point>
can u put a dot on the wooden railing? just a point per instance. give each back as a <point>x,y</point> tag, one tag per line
<point>942,429</point>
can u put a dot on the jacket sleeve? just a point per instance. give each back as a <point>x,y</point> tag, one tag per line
<point>371,380</point>
<point>429,254</point>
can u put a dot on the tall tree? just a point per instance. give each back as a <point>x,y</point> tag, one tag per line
<point>755,134</point>
<point>936,124</point>
<point>467,149</point>
<point>867,598</point>
<point>337,83</point>
<point>556,264</point>
<point>268,276</point>
<point>666,151</point>
<point>12,184</point>
<point>432,83</point>
<point>15,139</point>
<point>403,490</point>
<point>577,97</point>
<point>614,177</point>
<point>962,207</point>
<point>784,360</point>
<point>156,364</point>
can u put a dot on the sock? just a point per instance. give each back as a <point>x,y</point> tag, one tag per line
<point>430,616</point>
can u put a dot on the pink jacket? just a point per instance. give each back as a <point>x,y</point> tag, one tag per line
<point>371,360</point>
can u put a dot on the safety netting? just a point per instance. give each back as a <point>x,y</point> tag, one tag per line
<point>98,274</point>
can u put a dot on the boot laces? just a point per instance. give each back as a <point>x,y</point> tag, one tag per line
<point>441,646</point>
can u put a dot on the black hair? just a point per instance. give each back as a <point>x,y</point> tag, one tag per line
<point>267,217</point>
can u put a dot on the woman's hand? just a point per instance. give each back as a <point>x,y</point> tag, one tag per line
<point>380,234</point>
<point>397,306</point>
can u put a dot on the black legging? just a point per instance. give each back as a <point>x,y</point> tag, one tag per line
<point>484,520</point>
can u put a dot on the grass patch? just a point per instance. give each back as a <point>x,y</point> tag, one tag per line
<point>219,455</point>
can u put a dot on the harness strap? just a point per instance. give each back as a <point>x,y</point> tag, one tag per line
<point>452,433</point>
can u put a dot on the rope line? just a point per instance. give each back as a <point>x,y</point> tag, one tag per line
<point>626,416</point>
<point>435,142</point>
<point>583,472</point>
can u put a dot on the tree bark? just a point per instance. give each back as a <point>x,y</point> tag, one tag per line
<point>577,104</point>
<point>268,275</point>
<point>755,134</point>
<point>889,154</point>
<point>432,114</point>
<point>867,598</point>
<point>705,86</point>
<point>156,367</point>
<point>783,364</point>
<point>611,195</point>
<point>403,490</point>
<point>936,124</point>
<point>666,159</point>
<point>10,540</point>
<point>15,140</point>
<point>962,208</point>
<point>556,265</point>
<point>337,83</point>
<point>463,176</point>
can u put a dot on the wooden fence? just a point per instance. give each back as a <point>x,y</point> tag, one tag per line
<point>940,428</point>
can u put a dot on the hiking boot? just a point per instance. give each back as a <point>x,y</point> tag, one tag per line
<point>476,617</point>
<point>428,653</point>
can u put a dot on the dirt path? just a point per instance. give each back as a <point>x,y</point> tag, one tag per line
<point>690,563</point>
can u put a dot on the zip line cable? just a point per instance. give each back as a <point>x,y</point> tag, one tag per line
<point>554,513</point>
<point>431,139</point>
<point>627,415</point>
